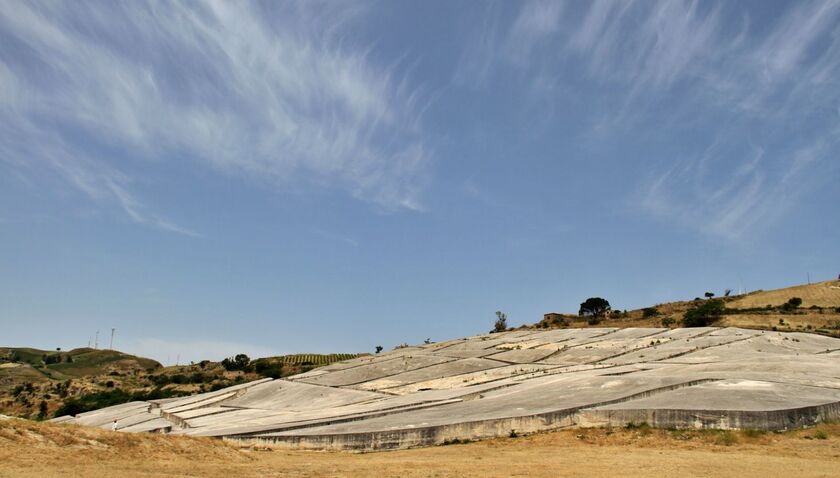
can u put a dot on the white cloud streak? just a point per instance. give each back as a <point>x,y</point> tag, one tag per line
<point>766,97</point>
<point>276,95</point>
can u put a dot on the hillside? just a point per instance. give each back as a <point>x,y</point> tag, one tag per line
<point>38,383</point>
<point>819,312</point>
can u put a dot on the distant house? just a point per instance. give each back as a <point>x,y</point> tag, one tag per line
<point>552,317</point>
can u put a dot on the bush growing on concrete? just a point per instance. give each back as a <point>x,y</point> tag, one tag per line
<point>501,322</point>
<point>705,314</point>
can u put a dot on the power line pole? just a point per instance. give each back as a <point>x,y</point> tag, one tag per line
<point>96,342</point>
<point>112,338</point>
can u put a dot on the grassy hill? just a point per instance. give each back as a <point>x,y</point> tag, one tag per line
<point>39,383</point>
<point>818,312</point>
<point>58,365</point>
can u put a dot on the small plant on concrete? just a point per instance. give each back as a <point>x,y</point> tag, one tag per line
<point>513,434</point>
<point>501,322</point>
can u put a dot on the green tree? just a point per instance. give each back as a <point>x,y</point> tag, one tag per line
<point>378,348</point>
<point>594,307</point>
<point>501,322</point>
<point>704,314</point>
<point>650,312</point>
<point>238,362</point>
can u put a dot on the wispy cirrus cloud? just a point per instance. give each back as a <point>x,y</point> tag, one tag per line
<point>654,69</point>
<point>277,93</point>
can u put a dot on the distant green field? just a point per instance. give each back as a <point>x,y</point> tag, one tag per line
<point>313,359</point>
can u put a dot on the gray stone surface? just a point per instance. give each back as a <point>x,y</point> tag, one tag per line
<point>487,385</point>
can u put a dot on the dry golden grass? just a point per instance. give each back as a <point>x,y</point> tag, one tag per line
<point>822,294</point>
<point>29,449</point>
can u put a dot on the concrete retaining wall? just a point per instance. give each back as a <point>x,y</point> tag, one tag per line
<point>770,420</point>
<point>683,419</point>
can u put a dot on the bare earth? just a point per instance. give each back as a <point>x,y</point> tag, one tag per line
<point>29,449</point>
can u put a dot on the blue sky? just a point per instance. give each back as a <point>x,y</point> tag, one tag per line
<point>213,178</point>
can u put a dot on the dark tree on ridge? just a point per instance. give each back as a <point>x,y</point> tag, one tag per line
<point>594,306</point>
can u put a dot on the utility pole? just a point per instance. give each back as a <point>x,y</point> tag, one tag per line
<point>112,338</point>
<point>809,278</point>
<point>177,359</point>
<point>96,342</point>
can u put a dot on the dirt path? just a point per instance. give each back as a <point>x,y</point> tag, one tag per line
<point>37,450</point>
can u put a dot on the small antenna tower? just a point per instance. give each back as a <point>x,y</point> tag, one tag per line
<point>96,342</point>
<point>112,338</point>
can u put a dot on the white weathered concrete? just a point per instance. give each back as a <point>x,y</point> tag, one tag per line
<point>527,381</point>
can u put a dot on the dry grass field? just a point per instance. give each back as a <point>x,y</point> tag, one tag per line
<point>817,313</point>
<point>30,449</point>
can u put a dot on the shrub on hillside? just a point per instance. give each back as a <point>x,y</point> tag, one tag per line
<point>792,304</point>
<point>239,362</point>
<point>268,368</point>
<point>116,396</point>
<point>705,314</point>
<point>648,312</point>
